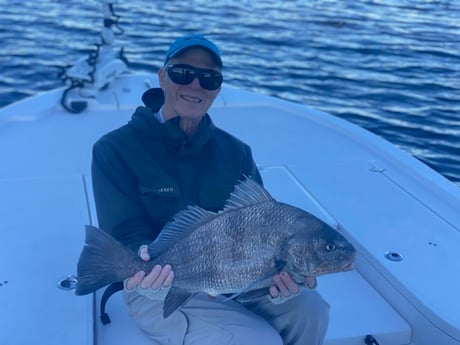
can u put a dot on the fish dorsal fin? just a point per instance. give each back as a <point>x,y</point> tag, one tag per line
<point>247,192</point>
<point>182,225</point>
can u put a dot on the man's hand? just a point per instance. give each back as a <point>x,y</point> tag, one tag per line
<point>159,276</point>
<point>285,286</point>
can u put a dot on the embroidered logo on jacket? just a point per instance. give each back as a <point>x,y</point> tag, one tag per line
<point>160,190</point>
<point>165,190</point>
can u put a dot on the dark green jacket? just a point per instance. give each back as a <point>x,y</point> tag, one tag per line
<point>145,171</point>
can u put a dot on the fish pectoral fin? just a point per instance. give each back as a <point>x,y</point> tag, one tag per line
<point>175,299</point>
<point>279,265</point>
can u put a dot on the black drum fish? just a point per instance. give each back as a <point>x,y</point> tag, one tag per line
<point>235,251</point>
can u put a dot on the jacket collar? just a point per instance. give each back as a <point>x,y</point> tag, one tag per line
<point>169,132</point>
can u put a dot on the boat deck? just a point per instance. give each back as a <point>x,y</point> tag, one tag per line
<point>46,244</point>
<point>375,194</point>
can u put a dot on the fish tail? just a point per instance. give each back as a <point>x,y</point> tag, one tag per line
<point>103,260</point>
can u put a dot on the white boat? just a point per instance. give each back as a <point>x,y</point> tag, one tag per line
<point>403,217</point>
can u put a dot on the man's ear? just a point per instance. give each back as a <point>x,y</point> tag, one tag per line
<point>162,77</point>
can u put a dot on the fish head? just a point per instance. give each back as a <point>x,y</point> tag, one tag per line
<point>316,248</point>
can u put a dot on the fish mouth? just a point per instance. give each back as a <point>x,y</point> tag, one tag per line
<point>347,267</point>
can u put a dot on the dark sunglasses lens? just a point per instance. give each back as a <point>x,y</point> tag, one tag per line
<point>210,80</point>
<point>181,75</point>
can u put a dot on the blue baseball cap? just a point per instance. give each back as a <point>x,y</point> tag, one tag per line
<point>195,40</point>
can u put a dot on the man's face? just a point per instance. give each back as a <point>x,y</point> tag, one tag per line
<point>190,102</point>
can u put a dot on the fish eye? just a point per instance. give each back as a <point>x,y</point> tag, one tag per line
<point>330,247</point>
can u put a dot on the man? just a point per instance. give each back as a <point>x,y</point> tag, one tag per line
<point>168,156</point>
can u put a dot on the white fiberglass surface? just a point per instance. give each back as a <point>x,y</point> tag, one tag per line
<point>381,216</point>
<point>42,226</point>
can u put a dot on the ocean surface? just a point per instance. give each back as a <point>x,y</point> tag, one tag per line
<point>391,66</point>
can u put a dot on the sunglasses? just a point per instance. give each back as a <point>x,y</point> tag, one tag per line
<point>185,74</point>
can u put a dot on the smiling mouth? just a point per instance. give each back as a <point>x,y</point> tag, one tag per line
<point>191,99</point>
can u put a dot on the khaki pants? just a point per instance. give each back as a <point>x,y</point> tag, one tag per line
<point>302,320</point>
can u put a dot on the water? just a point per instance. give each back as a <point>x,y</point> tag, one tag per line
<point>391,66</point>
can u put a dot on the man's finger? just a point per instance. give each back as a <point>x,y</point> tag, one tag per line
<point>135,280</point>
<point>169,279</point>
<point>151,277</point>
<point>310,282</point>
<point>161,278</point>
<point>278,281</point>
<point>274,292</point>
<point>290,284</point>
<point>144,253</point>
